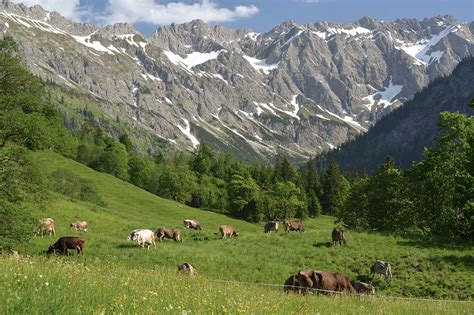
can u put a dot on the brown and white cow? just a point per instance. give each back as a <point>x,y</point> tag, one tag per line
<point>187,268</point>
<point>45,225</point>
<point>227,230</point>
<point>174,234</point>
<point>325,282</point>
<point>143,236</point>
<point>363,288</point>
<point>271,226</point>
<point>68,242</point>
<point>192,224</point>
<point>338,236</point>
<point>79,226</point>
<point>293,225</point>
<point>292,284</point>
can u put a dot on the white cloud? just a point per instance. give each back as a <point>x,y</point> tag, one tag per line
<point>150,11</point>
<point>67,8</point>
<point>175,12</point>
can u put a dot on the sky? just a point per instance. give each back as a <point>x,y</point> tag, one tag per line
<point>259,15</point>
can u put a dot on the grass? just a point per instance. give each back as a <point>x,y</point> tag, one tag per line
<point>97,280</point>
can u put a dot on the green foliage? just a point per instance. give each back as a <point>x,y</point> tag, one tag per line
<point>335,189</point>
<point>25,118</point>
<point>141,171</point>
<point>177,182</point>
<point>71,185</point>
<point>286,202</point>
<point>435,196</point>
<point>22,192</point>
<point>114,160</point>
<point>244,197</point>
<point>314,207</point>
<point>444,179</point>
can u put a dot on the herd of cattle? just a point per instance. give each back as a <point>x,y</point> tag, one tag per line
<point>304,281</point>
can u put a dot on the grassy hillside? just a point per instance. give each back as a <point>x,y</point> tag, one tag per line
<point>420,269</point>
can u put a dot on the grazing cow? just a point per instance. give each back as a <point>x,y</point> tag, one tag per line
<point>338,236</point>
<point>271,226</point>
<point>381,267</point>
<point>168,233</point>
<point>192,224</point>
<point>79,226</point>
<point>143,236</point>
<point>293,225</point>
<point>68,242</point>
<point>45,225</point>
<point>292,284</point>
<point>363,288</point>
<point>227,230</point>
<point>324,281</point>
<point>15,255</point>
<point>187,268</point>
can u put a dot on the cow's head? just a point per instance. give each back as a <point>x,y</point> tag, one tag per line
<point>236,233</point>
<point>51,249</point>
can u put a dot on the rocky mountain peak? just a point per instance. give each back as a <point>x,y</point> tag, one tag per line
<point>298,88</point>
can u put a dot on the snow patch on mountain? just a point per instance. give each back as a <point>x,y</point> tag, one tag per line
<point>384,97</point>
<point>186,130</point>
<point>261,64</point>
<point>193,59</point>
<point>96,45</point>
<point>419,50</point>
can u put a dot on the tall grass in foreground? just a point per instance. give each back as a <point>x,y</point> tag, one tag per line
<point>71,286</point>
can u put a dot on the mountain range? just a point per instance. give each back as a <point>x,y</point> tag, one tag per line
<point>298,88</point>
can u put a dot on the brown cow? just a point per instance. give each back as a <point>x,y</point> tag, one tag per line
<point>79,226</point>
<point>192,224</point>
<point>324,281</point>
<point>227,230</point>
<point>293,225</point>
<point>187,268</point>
<point>271,226</point>
<point>174,234</point>
<point>45,225</point>
<point>338,236</point>
<point>363,288</point>
<point>68,242</point>
<point>291,284</point>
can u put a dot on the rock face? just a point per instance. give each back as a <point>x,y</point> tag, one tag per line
<point>297,88</point>
<point>404,133</point>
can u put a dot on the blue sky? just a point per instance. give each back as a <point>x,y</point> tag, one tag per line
<point>260,15</point>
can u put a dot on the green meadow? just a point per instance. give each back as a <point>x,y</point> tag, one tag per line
<point>116,276</point>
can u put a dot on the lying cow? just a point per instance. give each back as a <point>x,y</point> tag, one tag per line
<point>292,284</point>
<point>68,242</point>
<point>293,225</point>
<point>143,236</point>
<point>271,226</point>
<point>45,225</point>
<point>79,226</point>
<point>187,268</point>
<point>363,288</point>
<point>168,233</point>
<point>227,230</point>
<point>192,224</point>
<point>338,236</point>
<point>326,282</point>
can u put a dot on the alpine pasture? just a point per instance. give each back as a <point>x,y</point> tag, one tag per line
<point>236,275</point>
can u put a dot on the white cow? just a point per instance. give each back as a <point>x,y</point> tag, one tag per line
<point>143,236</point>
<point>45,225</point>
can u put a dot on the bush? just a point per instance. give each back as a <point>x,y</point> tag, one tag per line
<point>22,191</point>
<point>69,184</point>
